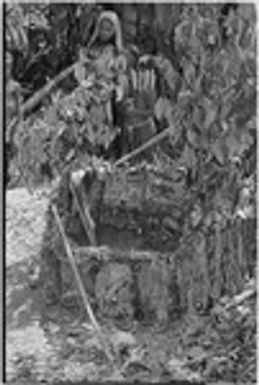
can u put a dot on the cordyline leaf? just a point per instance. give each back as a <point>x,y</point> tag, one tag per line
<point>185,98</point>
<point>196,216</point>
<point>236,146</point>
<point>167,71</point>
<point>164,110</point>
<point>188,157</point>
<point>80,73</point>
<point>211,114</point>
<point>91,136</point>
<point>189,73</point>
<point>233,145</point>
<point>192,137</point>
<point>159,108</point>
<point>169,114</point>
<point>247,139</point>
<point>182,34</point>
<point>218,151</point>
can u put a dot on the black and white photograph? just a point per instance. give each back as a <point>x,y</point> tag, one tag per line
<point>129,182</point>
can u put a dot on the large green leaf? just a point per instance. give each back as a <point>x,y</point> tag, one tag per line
<point>192,137</point>
<point>218,150</point>
<point>188,158</point>
<point>211,115</point>
<point>233,145</point>
<point>160,107</point>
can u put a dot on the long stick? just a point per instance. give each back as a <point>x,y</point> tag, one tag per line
<point>156,139</point>
<point>80,285</point>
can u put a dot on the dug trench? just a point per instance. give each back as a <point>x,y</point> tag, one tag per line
<point>131,274</point>
<point>52,343</point>
<point>135,272</point>
<point>46,342</point>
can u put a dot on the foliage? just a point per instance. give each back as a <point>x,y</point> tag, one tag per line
<point>74,125</point>
<point>217,76</point>
<point>208,96</point>
<point>226,340</point>
<point>45,38</point>
<point>212,143</point>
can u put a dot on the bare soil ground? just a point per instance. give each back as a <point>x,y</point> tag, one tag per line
<point>58,344</point>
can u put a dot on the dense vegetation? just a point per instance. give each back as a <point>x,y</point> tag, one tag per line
<point>205,59</point>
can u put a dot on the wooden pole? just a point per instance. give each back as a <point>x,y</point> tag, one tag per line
<point>153,141</point>
<point>81,286</point>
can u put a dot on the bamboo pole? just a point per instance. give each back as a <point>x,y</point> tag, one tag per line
<point>81,287</point>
